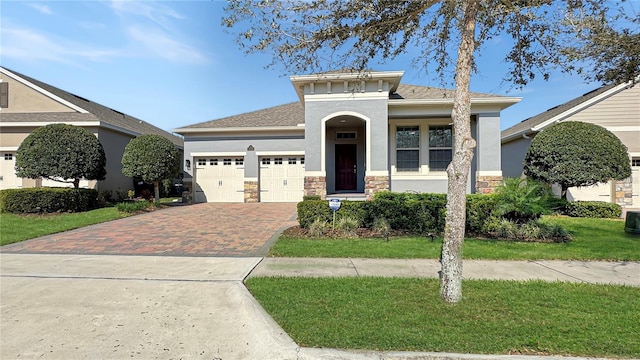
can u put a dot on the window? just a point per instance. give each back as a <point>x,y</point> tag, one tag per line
<point>4,94</point>
<point>292,161</point>
<point>346,135</point>
<point>8,156</point>
<point>277,161</point>
<point>239,161</point>
<point>226,162</point>
<point>634,161</point>
<point>202,162</point>
<point>440,147</point>
<point>213,162</point>
<point>266,161</point>
<point>408,148</point>
<point>302,161</point>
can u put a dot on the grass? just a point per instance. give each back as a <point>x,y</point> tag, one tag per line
<point>593,239</point>
<point>495,317</point>
<point>14,228</point>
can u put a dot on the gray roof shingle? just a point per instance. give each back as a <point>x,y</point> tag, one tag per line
<point>292,114</point>
<point>96,111</point>
<point>531,122</point>
<point>415,92</point>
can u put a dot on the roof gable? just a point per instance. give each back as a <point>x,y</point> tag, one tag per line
<point>562,111</point>
<point>106,116</point>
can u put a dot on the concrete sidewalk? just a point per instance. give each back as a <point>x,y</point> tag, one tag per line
<point>164,307</point>
<point>594,272</point>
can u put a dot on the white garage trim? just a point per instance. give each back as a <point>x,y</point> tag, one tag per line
<point>218,153</point>
<point>280,153</point>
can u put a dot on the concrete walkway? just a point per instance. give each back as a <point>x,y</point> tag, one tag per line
<point>594,272</point>
<point>152,307</point>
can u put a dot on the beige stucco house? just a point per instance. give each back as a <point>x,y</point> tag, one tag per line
<point>26,104</point>
<point>614,107</point>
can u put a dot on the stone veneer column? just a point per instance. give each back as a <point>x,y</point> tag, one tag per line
<point>487,184</point>
<point>373,184</point>
<point>315,185</point>
<point>624,192</point>
<point>251,192</point>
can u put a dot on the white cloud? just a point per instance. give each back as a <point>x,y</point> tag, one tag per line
<point>41,8</point>
<point>160,45</point>
<point>29,45</point>
<point>158,13</point>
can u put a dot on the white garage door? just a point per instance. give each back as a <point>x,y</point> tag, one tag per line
<point>635,181</point>
<point>9,180</point>
<point>599,192</point>
<point>219,180</point>
<point>281,179</point>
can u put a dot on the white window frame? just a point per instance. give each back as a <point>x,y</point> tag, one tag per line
<point>418,130</point>
<point>429,148</point>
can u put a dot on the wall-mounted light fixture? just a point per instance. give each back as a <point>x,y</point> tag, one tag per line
<point>188,164</point>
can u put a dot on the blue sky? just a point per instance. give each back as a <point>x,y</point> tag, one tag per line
<point>172,64</point>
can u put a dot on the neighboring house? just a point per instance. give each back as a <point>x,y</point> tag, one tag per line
<point>349,136</point>
<point>26,104</point>
<point>614,107</point>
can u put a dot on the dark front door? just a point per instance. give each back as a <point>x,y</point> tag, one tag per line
<point>346,169</point>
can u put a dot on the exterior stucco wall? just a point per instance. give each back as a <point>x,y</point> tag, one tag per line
<point>375,110</point>
<point>513,154</point>
<point>23,99</point>
<point>488,143</point>
<point>425,185</point>
<point>114,144</point>
<point>12,137</point>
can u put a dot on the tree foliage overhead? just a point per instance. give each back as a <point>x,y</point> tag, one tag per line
<point>574,153</point>
<point>535,36</point>
<point>63,153</point>
<point>151,158</point>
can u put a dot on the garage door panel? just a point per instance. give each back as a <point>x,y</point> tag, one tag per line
<point>220,180</point>
<point>281,179</point>
<point>8,172</point>
<point>599,192</point>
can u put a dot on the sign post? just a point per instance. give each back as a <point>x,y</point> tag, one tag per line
<point>334,204</point>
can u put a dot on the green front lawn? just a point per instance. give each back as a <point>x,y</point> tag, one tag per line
<point>14,228</point>
<point>593,239</point>
<point>494,317</point>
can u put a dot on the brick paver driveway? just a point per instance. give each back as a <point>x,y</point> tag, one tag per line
<point>212,229</point>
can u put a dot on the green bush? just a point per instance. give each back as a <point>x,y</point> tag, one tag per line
<point>311,210</point>
<point>319,228</point>
<point>531,231</point>
<point>481,211</point>
<point>422,214</point>
<point>48,200</point>
<point>521,199</point>
<point>133,206</point>
<point>416,213</point>
<point>347,226</point>
<point>593,209</point>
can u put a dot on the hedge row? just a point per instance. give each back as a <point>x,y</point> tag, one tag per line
<point>415,213</point>
<point>593,209</point>
<point>47,200</point>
